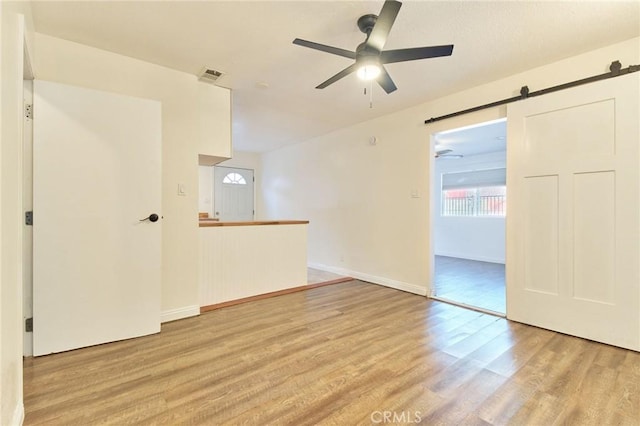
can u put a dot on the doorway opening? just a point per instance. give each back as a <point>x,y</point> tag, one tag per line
<point>469,214</point>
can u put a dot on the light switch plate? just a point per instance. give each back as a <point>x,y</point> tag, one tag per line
<point>181,189</point>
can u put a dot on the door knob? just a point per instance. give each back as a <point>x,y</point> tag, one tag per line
<point>152,218</point>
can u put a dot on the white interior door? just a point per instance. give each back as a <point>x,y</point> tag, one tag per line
<point>573,229</point>
<point>233,194</point>
<point>96,170</point>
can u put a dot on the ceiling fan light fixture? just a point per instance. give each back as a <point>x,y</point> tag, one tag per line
<point>370,55</point>
<point>369,71</point>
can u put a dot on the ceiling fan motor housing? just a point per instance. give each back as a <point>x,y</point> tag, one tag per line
<point>364,51</point>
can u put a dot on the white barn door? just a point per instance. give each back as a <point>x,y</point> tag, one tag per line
<point>573,229</point>
<point>96,273</point>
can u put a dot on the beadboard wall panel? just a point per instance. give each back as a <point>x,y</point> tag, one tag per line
<point>244,261</point>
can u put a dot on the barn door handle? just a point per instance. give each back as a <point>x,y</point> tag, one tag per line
<point>152,218</point>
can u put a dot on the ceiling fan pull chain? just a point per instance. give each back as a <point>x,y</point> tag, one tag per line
<point>370,94</point>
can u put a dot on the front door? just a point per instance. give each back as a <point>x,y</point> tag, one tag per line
<point>573,229</point>
<point>96,174</point>
<point>233,194</point>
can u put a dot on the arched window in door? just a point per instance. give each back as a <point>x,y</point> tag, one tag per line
<point>234,178</point>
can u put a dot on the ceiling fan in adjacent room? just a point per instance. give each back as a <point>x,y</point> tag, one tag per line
<point>369,56</point>
<point>447,153</point>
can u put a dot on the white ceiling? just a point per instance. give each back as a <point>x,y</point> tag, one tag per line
<point>484,138</point>
<point>274,99</point>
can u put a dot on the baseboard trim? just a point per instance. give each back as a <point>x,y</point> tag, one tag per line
<point>18,415</point>
<point>221,305</point>
<point>179,313</point>
<point>387,282</point>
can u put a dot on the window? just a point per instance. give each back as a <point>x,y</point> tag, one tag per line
<point>474,193</point>
<point>234,179</point>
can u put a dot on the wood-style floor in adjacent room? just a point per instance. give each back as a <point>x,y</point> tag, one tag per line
<point>338,355</point>
<point>470,282</point>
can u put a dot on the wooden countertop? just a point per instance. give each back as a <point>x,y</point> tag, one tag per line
<point>208,222</point>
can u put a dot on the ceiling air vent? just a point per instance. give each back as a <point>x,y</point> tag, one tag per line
<point>209,75</point>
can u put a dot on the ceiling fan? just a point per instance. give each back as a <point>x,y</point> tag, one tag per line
<point>369,56</point>
<point>447,153</point>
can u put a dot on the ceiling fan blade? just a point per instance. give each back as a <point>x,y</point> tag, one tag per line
<point>412,54</point>
<point>378,37</point>
<point>345,72</point>
<point>329,49</point>
<point>384,80</point>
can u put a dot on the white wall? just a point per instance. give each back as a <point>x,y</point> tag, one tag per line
<point>182,132</point>
<point>358,199</point>
<point>243,160</point>
<point>363,219</point>
<point>16,27</point>
<point>475,238</point>
<point>205,189</point>
<point>240,159</point>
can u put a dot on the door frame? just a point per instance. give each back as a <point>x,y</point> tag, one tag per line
<point>27,205</point>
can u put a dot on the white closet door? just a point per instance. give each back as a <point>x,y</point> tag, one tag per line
<point>96,273</point>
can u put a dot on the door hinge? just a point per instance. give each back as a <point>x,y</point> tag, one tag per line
<point>28,325</point>
<point>28,111</point>
<point>28,218</point>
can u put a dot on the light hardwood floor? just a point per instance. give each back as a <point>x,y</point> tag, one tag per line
<point>470,282</point>
<point>338,355</point>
